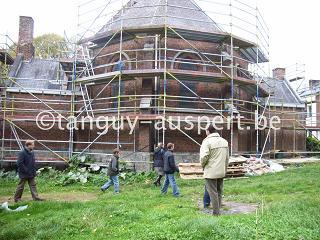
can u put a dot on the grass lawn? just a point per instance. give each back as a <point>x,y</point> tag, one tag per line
<point>289,209</point>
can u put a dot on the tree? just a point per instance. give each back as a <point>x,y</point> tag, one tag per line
<point>50,46</point>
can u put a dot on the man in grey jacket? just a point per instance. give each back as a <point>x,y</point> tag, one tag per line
<point>113,171</point>
<point>214,158</point>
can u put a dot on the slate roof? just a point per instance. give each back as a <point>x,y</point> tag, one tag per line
<point>40,74</point>
<point>182,14</point>
<point>282,93</point>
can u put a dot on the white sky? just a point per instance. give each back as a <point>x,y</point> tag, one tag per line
<point>294,26</point>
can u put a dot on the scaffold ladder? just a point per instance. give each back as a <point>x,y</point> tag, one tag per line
<point>86,100</point>
<point>87,61</point>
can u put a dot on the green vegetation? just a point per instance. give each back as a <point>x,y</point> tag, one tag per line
<point>289,209</point>
<point>50,45</point>
<point>313,144</point>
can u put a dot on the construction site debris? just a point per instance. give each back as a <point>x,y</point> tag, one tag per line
<point>238,167</point>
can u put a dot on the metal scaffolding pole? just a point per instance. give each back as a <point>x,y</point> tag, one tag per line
<point>232,80</point>
<point>165,70</point>
<point>121,65</point>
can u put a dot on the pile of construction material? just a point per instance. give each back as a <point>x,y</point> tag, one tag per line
<point>238,167</point>
<point>251,166</point>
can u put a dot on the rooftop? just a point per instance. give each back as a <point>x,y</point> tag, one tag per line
<point>181,14</point>
<point>282,94</point>
<point>39,74</point>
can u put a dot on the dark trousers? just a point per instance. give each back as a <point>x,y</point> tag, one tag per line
<point>33,188</point>
<point>215,188</point>
<point>206,198</point>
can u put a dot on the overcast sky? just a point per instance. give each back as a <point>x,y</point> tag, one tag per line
<point>294,26</point>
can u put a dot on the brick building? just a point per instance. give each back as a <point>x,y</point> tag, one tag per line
<point>146,62</point>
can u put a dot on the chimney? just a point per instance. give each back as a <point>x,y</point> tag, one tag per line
<point>25,42</point>
<point>279,73</point>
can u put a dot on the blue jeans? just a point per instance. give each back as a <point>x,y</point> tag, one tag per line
<point>169,179</point>
<point>112,181</point>
<point>206,198</point>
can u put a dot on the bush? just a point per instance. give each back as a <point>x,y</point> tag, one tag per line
<point>133,177</point>
<point>79,171</point>
<point>10,175</point>
<point>313,144</point>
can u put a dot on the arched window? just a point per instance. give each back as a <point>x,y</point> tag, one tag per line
<point>188,61</point>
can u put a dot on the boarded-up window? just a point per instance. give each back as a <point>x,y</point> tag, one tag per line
<point>187,102</point>
<point>115,92</point>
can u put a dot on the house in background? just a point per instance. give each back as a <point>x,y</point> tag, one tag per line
<point>311,96</point>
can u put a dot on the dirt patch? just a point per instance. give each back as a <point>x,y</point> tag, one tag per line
<point>60,196</point>
<point>230,208</point>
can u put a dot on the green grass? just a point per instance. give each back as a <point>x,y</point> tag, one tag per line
<point>289,209</point>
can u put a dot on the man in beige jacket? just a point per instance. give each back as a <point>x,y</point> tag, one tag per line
<point>214,158</point>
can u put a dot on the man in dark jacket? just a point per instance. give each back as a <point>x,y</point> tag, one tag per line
<point>27,172</point>
<point>158,163</point>
<point>113,171</point>
<point>170,168</point>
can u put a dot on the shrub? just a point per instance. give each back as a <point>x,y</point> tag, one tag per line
<point>313,144</point>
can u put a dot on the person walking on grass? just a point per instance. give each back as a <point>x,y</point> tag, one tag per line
<point>113,171</point>
<point>27,172</point>
<point>158,163</point>
<point>170,168</point>
<point>214,158</point>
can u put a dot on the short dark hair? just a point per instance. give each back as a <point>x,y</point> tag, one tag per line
<point>212,129</point>
<point>170,145</point>
<point>116,150</point>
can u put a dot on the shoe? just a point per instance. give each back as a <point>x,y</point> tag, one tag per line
<point>17,200</point>
<point>39,199</point>
<point>217,214</point>
<point>103,190</point>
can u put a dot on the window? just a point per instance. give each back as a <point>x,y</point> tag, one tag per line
<point>309,110</point>
<point>187,64</point>
<point>187,102</point>
<point>115,91</point>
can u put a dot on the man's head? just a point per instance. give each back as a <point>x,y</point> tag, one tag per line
<point>211,129</point>
<point>160,145</point>
<point>116,151</point>
<point>29,145</point>
<point>170,146</point>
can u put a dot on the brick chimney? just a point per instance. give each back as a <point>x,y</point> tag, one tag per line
<point>279,73</point>
<point>25,41</point>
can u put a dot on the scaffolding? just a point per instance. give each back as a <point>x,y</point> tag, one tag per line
<point>91,67</point>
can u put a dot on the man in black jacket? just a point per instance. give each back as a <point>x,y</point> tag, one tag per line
<point>113,171</point>
<point>27,172</point>
<point>170,168</point>
<point>158,163</point>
